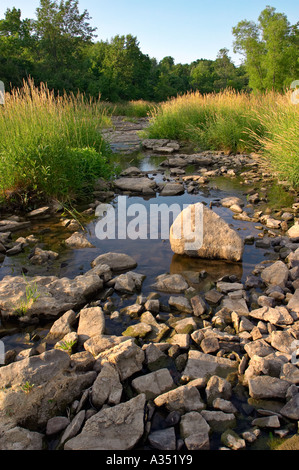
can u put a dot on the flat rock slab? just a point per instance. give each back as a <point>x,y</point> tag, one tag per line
<point>115,261</point>
<point>52,296</point>
<point>200,366</point>
<point>134,184</point>
<point>117,428</point>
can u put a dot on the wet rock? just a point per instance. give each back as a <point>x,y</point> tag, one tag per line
<point>172,283</point>
<point>129,282</point>
<point>39,213</point>
<point>267,422</point>
<point>134,185</point>
<point>164,439</point>
<point>231,439</point>
<point>13,226</point>
<point>39,256</point>
<point>181,304</point>
<point>172,189</point>
<point>117,428</point>
<point>220,241</point>
<point>116,261</point>
<point>218,420</point>
<point>131,171</point>
<point>78,240</point>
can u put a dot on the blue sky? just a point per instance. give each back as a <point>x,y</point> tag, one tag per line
<point>186,30</point>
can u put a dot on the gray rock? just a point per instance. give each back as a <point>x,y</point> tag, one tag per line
<point>52,296</point>
<point>56,425</point>
<point>107,387</point>
<point>232,440</point>
<point>172,189</point>
<point>291,409</point>
<point>134,184</point>
<point>267,422</point>
<point>62,326</point>
<point>74,427</point>
<point>180,303</point>
<point>218,388</point>
<point>115,261</point>
<point>198,305</point>
<point>100,343</point>
<point>129,282</point>
<point>47,375</point>
<point>220,241</point>
<point>258,348</point>
<point>154,384</point>
<point>182,399</point>
<point>91,323</point>
<point>164,439</point>
<point>78,240</point>
<point>19,438</point>
<point>193,423</point>
<point>218,420</point>
<point>172,283</point>
<point>127,357</point>
<point>276,274</point>
<point>198,441</point>
<point>202,365</point>
<point>268,387</point>
<point>293,303</point>
<point>117,428</point>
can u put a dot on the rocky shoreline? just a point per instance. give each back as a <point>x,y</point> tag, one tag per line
<point>191,370</point>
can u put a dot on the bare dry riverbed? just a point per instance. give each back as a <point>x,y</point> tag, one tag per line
<point>124,335</point>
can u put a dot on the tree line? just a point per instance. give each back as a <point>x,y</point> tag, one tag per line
<point>59,47</point>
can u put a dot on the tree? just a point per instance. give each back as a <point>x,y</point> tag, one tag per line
<point>63,34</point>
<point>16,44</point>
<point>269,49</point>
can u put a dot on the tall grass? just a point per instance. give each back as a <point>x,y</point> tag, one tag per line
<point>235,122</point>
<point>131,109</point>
<point>50,146</point>
<point>280,143</point>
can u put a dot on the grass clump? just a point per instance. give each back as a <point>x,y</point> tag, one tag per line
<point>234,122</point>
<point>51,146</point>
<point>131,109</point>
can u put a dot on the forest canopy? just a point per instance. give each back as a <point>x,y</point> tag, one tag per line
<point>59,47</point>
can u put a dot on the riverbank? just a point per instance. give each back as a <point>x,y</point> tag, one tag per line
<point>159,350</point>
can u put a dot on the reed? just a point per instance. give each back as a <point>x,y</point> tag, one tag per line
<point>235,122</point>
<point>50,146</point>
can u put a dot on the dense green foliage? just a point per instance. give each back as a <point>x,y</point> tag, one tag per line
<point>59,48</point>
<point>50,146</point>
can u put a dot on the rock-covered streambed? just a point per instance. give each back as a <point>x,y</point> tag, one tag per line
<point>122,344</point>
